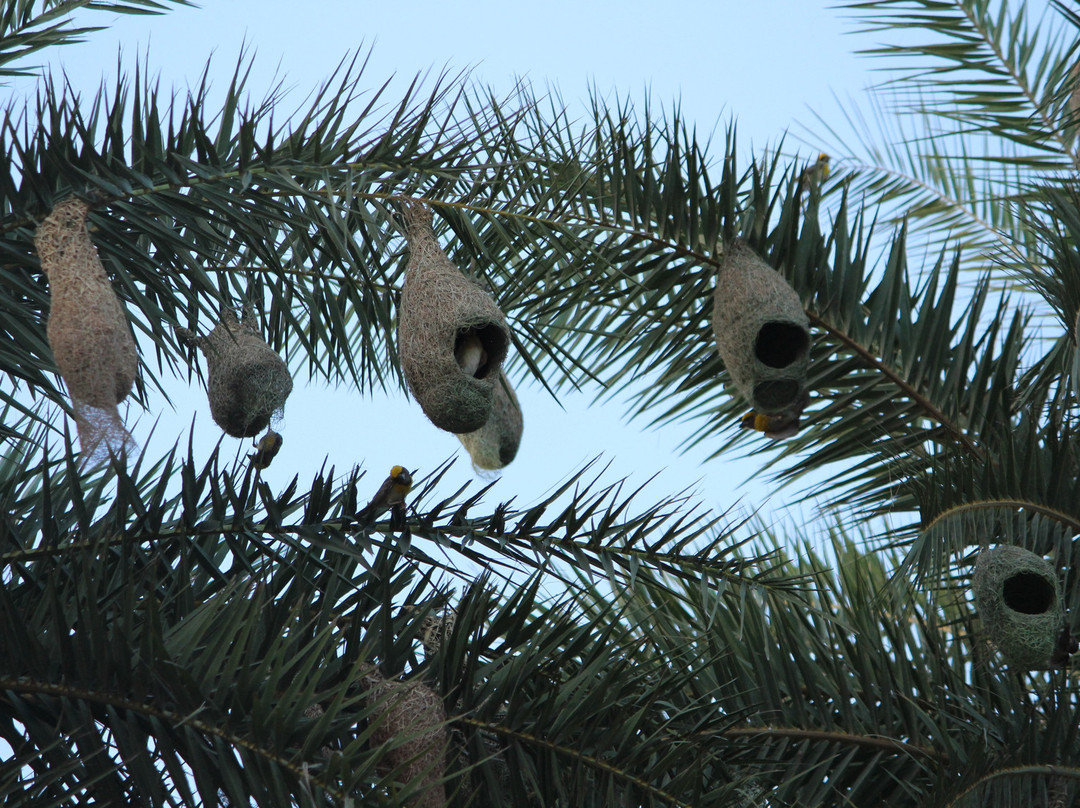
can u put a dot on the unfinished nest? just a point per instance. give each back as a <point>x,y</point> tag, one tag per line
<point>409,722</point>
<point>495,444</point>
<point>87,330</point>
<point>1018,598</point>
<point>247,383</point>
<point>452,338</point>
<point>761,330</point>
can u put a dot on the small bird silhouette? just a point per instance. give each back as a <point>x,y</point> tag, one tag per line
<point>779,425</point>
<point>266,448</point>
<point>391,495</point>
<point>816,173</point>
<point>1065,646</point>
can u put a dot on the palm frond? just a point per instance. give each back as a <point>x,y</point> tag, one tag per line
<point>27,28</point>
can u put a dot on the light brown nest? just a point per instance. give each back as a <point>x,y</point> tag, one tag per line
<point>247,382</point>
<point>452,337</point>
<point>87,329</point>
<point>761,330</point>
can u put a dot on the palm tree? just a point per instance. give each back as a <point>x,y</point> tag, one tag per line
<point>177,633</point>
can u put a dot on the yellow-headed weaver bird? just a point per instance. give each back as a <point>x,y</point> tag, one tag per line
<point>778,425</point>
<point>391,494</point>
<point>815,174</point>
<point>266,448</point>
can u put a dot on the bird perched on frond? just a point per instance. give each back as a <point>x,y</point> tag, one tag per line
<point>266,448</point>
<point>391,495</point>
<point>815,174</point>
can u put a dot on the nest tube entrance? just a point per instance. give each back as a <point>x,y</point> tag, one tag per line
<point>761,331</point>
<point>495,444</point>
<point>1018,598</point>
<point>452,337</point>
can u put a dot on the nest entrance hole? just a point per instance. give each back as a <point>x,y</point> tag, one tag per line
<point>481,349</point>
<point>781,344</point>
<point>1028,593</point>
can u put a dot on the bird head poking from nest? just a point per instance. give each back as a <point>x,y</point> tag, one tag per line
<point>452,337</point>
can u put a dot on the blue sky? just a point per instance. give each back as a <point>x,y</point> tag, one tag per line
<point>765,64</point>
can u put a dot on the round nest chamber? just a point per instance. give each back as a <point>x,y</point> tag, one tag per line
<point>761,331</point>
<point>452,337</point>
<point>409,721</point>
<point>247,382</point>
<point>1018,600</point>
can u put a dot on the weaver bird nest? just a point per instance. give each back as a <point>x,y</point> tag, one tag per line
<point>247,383</point>
<point>409,722</point>
<point>1018,599</point>
<point>87,329</point>
<point>761,331</point>
<point>452,337</point>
<point>495,444</point>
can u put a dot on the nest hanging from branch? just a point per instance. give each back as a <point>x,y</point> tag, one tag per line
<point>761,330</point>
<point>1018,599</point>
<point>247,383</point>
<point>452,337</point>
<point>409,719</point>
<point>495,444</point>
<point>87,330</point>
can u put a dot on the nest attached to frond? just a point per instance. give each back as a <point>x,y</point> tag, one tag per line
<point>87,330</point>
<point>1018,599</point>
<point>495,444</point>
<point>409,720</point>
<point>761,330</point>
<point>452,337</point>
<point>247,382</point>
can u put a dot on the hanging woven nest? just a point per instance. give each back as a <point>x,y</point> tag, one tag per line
<point>247,383</point>
<point>1018,599</point>
<point>761,330</point>
<point>452,338</point>
<point>88,330</point>
<point>409,721</point>
<point>495,444</point>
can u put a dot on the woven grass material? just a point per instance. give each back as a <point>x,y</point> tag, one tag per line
<point>761,331</point>
<point>247,383</point>
<point>409,720</point>
<point>1018,599</point>
<point>495,444</point>
<point>435,628</point>
<point>452,337</point>
<point>87,330</point>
